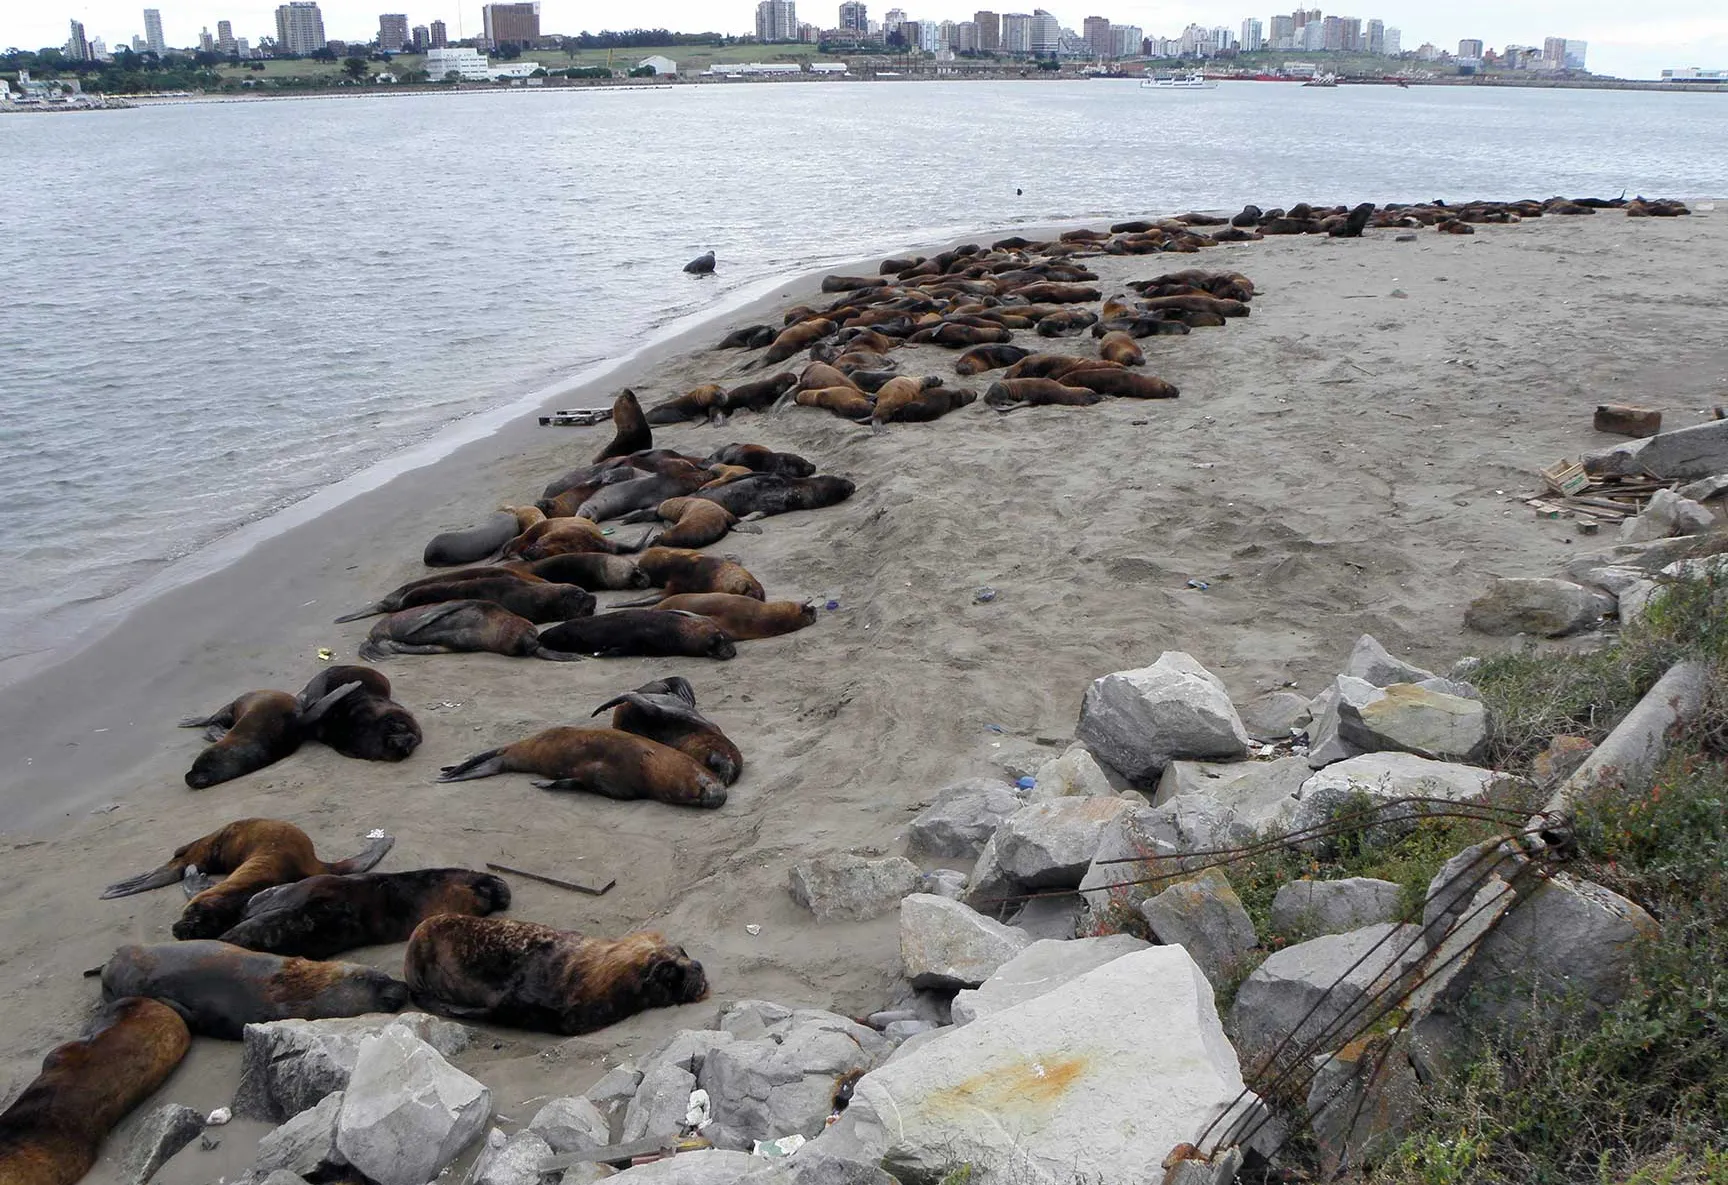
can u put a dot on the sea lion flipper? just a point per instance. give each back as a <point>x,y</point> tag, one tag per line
<point>158,878</point>
<point>310,714</point>
<point>198,721</point>
<point>215,733</point>
<point>481,765</point>
<point>367,858</point>
<point>558,655</point>
<point>193,882</point>
<point>629,697</point>
<point>372,610</point>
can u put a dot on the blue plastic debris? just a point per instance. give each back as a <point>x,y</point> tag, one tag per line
<point>1026,783</point>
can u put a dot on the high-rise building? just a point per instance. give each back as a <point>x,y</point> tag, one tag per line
<point>139,45</point>
<point>1331,32</point>
<point>1553,53</point>
<point>1394,43</point>
<point>78,46</point>
<point>440,33</point>
<point>1016,32</point>
<point>392,31</point>
<point>1470,47</point>
<point>854,18</point>
<point>989,30</point>
<point>1350,33</point>
<point>225,43</point>
<point>300,27</point>
<point>895,18</point>
<point>777,20</point>
<point>1303,17</point>
<point>966,37</point>
<point>99,49</point>
<point>1125,41</point>
<point>516,23</point>
<point>1283,32</point>
<point>1096,31</point>
<point>153,32</point>
<point>242,47</point>
<point>1046,34</point>
<point>1312,36</point>
<point>1253,39</point>
<point>1376,37</point>
<point>206,43</point>
<point>420,38</point>
<point>1575,51</point>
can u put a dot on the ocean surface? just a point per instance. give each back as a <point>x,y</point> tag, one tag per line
<point>210,311</point>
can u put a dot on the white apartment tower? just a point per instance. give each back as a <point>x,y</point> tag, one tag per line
<point>777,20</point>
<point>1016,32</point>
<point>1046,34</point>
<point>1253,37</point>
<point>153,32</point>
<point>300,27</point>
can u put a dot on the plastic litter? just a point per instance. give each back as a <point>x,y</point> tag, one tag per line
<point>1199,584</point>
<point>984,595</point>
<point>222,1115</point>
<point>752,929</point>
<point>376,833</point>
<point>1026,783</point>
<point>994,728</point>
<point>700,1112</point>
<point>831,604</point>
<point>325,654</point>
<point>778,1149</point>
<point>608,530</point>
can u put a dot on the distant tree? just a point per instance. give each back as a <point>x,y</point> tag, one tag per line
<point>259,66</point>
<point>1049,64</point>
<point>323,54</point>
<point>643,72</point>
<point>206,59</point>
<point>508,51</point>
<point>453,76</point>
<point>416,76</point>
<point>896,40</point>
<point>354,68</point>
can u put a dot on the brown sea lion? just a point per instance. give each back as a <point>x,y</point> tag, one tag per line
<point>696,522</point>
<point>769,494</point>
<point>991,357</point>
<point>536,600</point>
<point>395,598</point>
<point>865,338</point>
<point>602,761</point>
<point>1067,324</point>
<point>684,570</point>
<point>699,403</point>
<point>665,711</point>
<point>647,633</point>
<point>1052,292</point>
<point>642,494</point>
<point>760,395</point>
<point>917,401</point>
<point>719,475</point>
<point>1452,226</point>
<point>220,989</point>
<point>53,1131</point>
<point>257,730</point>
<point>751,337</point>
<point>632,433</point>
<point>1012,393</point>
<point>593,571</point>
<point>795,338</point>
<point>848,402</point>
<point>528,976</point>
<point>1045,366</point>
<point>566,504</point>
<point>456,627</point>
<point>256,854</point>
<point>563,536</point>
<point>323,916</point>
<point>959,337</point>
<point>762,460</point>
<point>820,376</point>
<point>1140,325</point>
<point>469,546</point>
<point>1197,304</point>
<point>746,618</point>
<point>1235,234</point>
<point>1120,349</point>
<point>1111,380</point>
<point>366,724</point>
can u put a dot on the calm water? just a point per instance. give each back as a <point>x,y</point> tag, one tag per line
<point>208,312</point>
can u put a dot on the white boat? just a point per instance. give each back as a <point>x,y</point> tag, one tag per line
<point>1179,82</point>
<point>1322,80</point>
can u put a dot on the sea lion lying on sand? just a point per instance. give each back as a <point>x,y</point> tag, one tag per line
<point>365,724</point>
<point>762,459</point>
<point>323,916</point>
<point>745,618</point>
<point>1010,394</point>
<point>594,571</point>
<point>649,633</point>
<point>563,536</point>
<point>602,761</point>
<point>665,711</point>
<point>700,403</point>
<point>535,600</point>
<point>457,627</point>
<point>770,494</point>
<point>682,570</point>
<point>252,732</point>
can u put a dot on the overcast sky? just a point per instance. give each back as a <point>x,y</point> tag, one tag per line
<point>1672,33</point>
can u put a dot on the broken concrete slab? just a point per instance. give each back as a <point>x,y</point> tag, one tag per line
<point>1700,450</point>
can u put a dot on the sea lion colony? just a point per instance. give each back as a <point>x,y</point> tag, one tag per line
<point>252,944</point>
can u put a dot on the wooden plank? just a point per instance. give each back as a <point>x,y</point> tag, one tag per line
<point>593,889</point>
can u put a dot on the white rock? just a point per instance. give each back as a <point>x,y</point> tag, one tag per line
<point>512,1161</point>
<point>1547,608</point>
<point>571,1125</point>
<point>1370,661</point>
<point>286,1066</point>
<point>612,1094</point>
<point>1049,845</point>
<point>1667,514</point>
<point>1410,719</point>
<point>1138,721</point>
<point>306,1144</point>
<point>1312,908</point>
<point>156,1139</point>
<point>944,882</point>
<point>1204,915</point>
<point>657,1110</point>
<point>1054,916</point>
<point>849,888</point>
<point>1258,793</point>
<point>407,1113</point>
<point>1040,968</point>
<point>944,943</point>
<point>963,818</point>
<point>1075,774</point>
<point>1382,777</point>
<point>1133,863</point>
<point>1276,715</point>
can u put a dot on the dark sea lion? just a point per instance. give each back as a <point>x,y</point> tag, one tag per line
<point>696,522</point>
<point>1012,393</point>
<point>700,403</point>
<point>323,916</point>
<point>1066,324</point>
<point>1354,223</point>
<point>959,337</point>
<point>602,761</point>
<point>528,976</point>
<point>536,600</point>
<point>395,598</point>
<point>53,1131</point>
<point>769,494</point>
<point>649,460</point>
<point>1198,319</point>
<point>644,493</point>
<point>1249,216</point>
<point>1135,227</point>
<point>1140,325</point>
<point>702,265</point>
<point>864,338</point>
<point>1452,226</point>
<point>594,571</point>
<point>632,433</point>
<point>872,381</point>
<point>1055,292</point>
<point>563,536</point>
<point>1235,234</point>
<point>665,711</point>
<point>854,361</point>
<point>847,402</point>
<point>1123,383</point>
<point>257,730</point>
<point>684,570</point>
<point>760,395</point>
<point>455,548</point>
<point>566,504</point>
<point>366,724</point>
<point>256,854</point>
<point>456,627</point>
<point>795,338</point>
<point>1045,366</point>
<point>751,337</point>
<point>648,633</point>
<point>746,618</point>
<point>762,459</point>
<point>1198,304</point>
<point>917,401</point>
<point>220,989</point>
<point>991,357</point>
<point>1120,349</point>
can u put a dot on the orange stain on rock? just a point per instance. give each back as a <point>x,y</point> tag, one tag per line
<point>1027,1084</point>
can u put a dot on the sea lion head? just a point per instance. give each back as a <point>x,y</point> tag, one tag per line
<point>398,736</point>
<point>215,765</point>
<point>672,977</point>
<point>721,645</point>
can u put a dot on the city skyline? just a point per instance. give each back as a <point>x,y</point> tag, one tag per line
<point>1689,33</point>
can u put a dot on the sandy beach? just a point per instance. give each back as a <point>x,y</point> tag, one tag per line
<point>1351,458</point>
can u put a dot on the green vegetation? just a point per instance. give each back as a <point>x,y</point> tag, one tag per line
<point>127,73</point>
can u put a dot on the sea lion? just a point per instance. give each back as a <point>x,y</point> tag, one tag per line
<point>820,376</point>
<point>1353,223</point>
<point>455,548</point>
<point>593,571</point>
<point>562,536</point>
<point>650,460</point>
<point>665,711</point>
<point>53,1131</point>
<point>1066,324</point>
<point>751,337</point>
<point>760,395</point>
<point>642,494</point>
<point>1249,216</point>
<point>696,522</point>
<point>769,494</point>
<point>366,723</point>
<point>395,598</point>
<point>604,761</point>
<point>323,916</point>
<point>536,600</point>
<point>745,618</point>
<point>631,434</point>
<point>872,381</point>
<point>795,338</point>
<point>1452,226</point>
<point>1120,349</point>
<point>1140,325</point>
<point>865,338</point>
<point>1045,366</point>
<point>567,503</point>
<point>702,265</point>
<point>699,403</point>
<point>649,633</point>
<point>762,460</point>
<point>1055,292</point>
<point>959,337</point>
<point>1197,304</point>
<point>848,402</point>
<point>220,989</point>
<point>456,627</point>
<point>1011,393</point>
<point>1235,234</point>
<point>1116,381</point>
<point>528,976</point>
<point>854,361</point>
<point>979,359</point>
<point>917,401</point>
<point>257,730</point>
<point>256,854</point>
<point>683,570</point>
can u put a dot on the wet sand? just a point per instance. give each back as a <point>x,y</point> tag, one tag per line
<point>1342,461</point>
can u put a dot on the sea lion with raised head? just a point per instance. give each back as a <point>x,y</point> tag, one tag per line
<point>220,989</point>
<point>603,761</point>
<point>324,916</point>
<point>665,711</point>
<point>454,627</point>
<point>254,731</point>
<point>256,854</point>
<point>746,618</point>
<point>53,1131</point>
<point>762,459</point>
<point>647,633</point>
<point>631,432</point>
<point>769,494</point>
<point>528,976</point>
<point>366,723</point>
